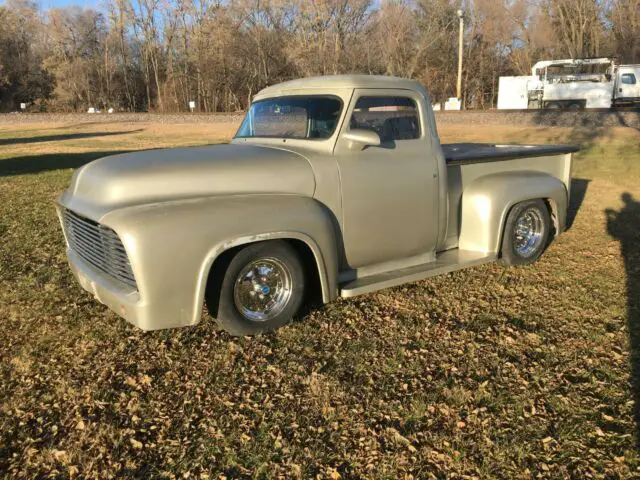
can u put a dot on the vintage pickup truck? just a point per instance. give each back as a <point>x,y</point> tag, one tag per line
<point>333,186</point>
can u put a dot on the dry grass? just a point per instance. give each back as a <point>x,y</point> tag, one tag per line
<point>487,373</point>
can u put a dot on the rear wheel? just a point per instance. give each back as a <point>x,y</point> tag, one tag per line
<point>262,290</point>
<point>526,233</point>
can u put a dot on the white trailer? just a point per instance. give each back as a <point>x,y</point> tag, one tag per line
<point>572,84</point>
<point>513,92</point>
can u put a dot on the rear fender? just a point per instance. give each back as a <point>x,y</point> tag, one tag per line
<point>487,201</point>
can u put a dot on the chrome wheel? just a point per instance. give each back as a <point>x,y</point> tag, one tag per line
<point>528,234</point>
<point>262,289</point>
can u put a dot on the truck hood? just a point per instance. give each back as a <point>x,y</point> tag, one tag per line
<point>159,175</point>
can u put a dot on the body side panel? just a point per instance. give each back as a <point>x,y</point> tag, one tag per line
<point>327,192</point>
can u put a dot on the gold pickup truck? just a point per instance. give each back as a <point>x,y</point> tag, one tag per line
<point>333,186</point>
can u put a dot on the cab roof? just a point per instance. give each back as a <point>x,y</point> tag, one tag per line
<point>330,82</point>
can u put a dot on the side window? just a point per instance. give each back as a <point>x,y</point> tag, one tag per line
<point>628,79</point>
<point>393,118</point>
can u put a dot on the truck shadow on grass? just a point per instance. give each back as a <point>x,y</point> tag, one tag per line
<point>65,136</point>
<point>48,162</point>
<point>624,226</point>
<point>579,188</point>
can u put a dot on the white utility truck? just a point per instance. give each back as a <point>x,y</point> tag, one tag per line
<point>572,84</point>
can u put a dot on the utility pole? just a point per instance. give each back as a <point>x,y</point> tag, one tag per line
<point>460,41</point>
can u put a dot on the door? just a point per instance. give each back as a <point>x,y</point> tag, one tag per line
<point>389,192</point>
<point>628,83</point>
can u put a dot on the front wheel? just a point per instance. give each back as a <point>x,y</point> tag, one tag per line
<point>526,233</point>
<point>263,288</point>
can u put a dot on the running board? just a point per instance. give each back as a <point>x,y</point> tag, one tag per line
<point>445,262</point>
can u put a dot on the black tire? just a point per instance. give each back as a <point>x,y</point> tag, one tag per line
<point>575,106</point>
<point>281,258</point>
<point>554,106</point>
<point>521,249</point>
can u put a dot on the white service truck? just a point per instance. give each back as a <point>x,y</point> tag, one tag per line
<point>572,84</point>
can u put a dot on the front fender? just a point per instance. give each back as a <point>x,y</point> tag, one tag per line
<point>171,246</point>
<point>487,201</point>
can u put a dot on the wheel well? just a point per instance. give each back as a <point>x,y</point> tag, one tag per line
<point>313,295</point>
<point>551,208</point>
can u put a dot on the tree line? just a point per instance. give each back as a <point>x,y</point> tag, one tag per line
<point>158,55</point>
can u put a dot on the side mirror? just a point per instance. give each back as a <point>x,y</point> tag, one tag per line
<point>360,138</point>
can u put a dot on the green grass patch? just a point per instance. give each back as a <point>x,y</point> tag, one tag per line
<point>487,373</point>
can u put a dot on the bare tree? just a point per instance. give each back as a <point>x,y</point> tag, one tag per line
<point>397,39</point>
<point>161,54</point>
<point>625,20</point>
<point>577,25</point>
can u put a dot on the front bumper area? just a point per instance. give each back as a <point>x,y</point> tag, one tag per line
<point>123,300</point>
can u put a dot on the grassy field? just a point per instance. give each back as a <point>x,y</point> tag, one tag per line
<point>487,373</point>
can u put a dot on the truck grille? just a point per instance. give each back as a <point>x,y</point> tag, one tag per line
<point>99,246</point>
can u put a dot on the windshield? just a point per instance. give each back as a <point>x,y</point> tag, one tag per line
<point>305,117</point>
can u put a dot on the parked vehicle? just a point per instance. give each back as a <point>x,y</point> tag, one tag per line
<point>332,186</point>
<point>572,84</point>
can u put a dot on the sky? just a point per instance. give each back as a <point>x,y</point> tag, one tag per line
<point>47,4</point>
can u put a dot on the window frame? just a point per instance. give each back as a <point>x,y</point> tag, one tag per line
<point>307,138</point>
<point>394,95</point>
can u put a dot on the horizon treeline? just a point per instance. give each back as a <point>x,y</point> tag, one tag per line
<point>158,55</point>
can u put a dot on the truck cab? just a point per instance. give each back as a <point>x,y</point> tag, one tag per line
<point>627,85</point>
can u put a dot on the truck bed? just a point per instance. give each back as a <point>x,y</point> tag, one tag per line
<point>466,153</point>
<point>467,162</point>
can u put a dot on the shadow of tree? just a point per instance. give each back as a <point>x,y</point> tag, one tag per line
<point>48,162</point>
<point>61,137</point>
<point>588,118</point>
<point>587,127</point>
<point>624,120</point>
<point>624,226</point>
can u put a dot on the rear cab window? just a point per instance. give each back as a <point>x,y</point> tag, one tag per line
<point>392,118</point>
<point>628,79</point>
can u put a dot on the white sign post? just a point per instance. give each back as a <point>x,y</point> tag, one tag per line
<point>192,106</point>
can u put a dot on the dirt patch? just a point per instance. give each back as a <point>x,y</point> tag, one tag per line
<point>588,118</point>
